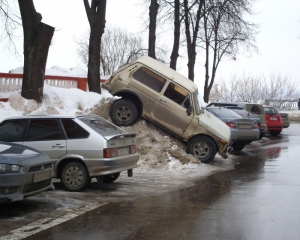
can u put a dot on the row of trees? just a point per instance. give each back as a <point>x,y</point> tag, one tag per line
<point>247,87</point>
<point>216,28</point>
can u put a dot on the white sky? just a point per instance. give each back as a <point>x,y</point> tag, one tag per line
<point>278,40</point>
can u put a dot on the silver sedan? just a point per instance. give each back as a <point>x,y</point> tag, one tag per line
<point>243,130</point>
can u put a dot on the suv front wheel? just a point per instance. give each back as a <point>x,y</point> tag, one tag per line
<point>123,112</point>
<point>202,147</point>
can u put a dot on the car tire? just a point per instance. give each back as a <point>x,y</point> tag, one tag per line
<point>238,146</point>
<point>202,147</point>
<point>74,177</point>
<point>123,112</point>
<point>111,177</point>
<point>275,133</point>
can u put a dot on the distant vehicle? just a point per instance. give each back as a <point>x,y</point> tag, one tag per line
<point>24,172</point>
<point>152,90</point>
<point>243,130</point>
<point>81,147</point>
<point>254,108</point>
<point>245,114</point>
<point>285,120</point>
<point>273,120</point>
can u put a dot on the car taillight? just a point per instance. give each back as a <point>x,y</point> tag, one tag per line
<point>255,126</point>
<point>110,152</point>
<point>132,149</point>
<point>231,124</point>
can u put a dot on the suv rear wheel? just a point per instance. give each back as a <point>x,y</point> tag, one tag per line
<point>123,112</point>
<point>202,147</point>
<point>74,177</point>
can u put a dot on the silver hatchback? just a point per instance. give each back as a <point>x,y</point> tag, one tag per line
<point>81,147</point>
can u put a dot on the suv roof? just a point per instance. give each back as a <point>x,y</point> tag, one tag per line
<point>168,72</point>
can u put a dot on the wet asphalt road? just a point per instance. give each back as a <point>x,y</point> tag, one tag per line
<point>259,199</point>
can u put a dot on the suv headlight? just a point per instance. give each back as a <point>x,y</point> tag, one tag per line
<point>6,168</point>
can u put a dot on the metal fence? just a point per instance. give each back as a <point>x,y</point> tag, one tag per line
<point>283,104</point>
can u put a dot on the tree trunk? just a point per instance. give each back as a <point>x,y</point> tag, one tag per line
<point>37,40</point>
<point>191,40</point>
<point>96,18</point>
<point>175,51</point>
<point>153,10</point>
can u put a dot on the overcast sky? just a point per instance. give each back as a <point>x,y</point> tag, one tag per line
<point>278,41</point>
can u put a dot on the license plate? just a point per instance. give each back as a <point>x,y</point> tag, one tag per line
<point>38,177</point>
<point>244,126</point>
<point>123,151</point>
<point>274,119</point>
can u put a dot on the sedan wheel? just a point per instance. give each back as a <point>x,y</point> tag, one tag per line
<point>238,146</point>
<point>110,178</point>
<point>275,133</point>
<point>75,177</point>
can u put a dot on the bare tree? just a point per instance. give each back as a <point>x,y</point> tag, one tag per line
<point>251,88</point>
<point>192,16</point>
<point>96,17</point>
<point>153,11</point>
<point>10,21</point>
<point>224,31</point>
<point>118,47</point>
<point>37,40</point>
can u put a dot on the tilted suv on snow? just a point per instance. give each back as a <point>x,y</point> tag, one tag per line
<point>164,97</point>
<point>80,147</point>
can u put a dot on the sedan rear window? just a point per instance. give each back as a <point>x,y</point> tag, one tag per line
<point>103,127</point>
<point>224,113</point>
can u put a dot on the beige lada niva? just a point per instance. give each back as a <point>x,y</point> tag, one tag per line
<point>152,90</point>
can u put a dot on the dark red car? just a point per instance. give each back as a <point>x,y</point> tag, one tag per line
<point>273,120</point>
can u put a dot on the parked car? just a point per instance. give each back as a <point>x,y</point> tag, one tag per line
<point>245,114</point>
<point>152,90</point>
<point>285,120</point>
<point>243,130</point>
<point>24,172</point>
<point>80,147</point>
<point>254,108</point>
<point>273,120</point>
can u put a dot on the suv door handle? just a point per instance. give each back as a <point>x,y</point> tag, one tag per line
<point>162,100</point>
<point>59,146</point>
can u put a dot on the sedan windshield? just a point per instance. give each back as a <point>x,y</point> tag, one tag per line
<point>224,113</point>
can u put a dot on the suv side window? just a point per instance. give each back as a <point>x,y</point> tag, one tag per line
<point>12,131</point>
<point>73,130</point>
<point>149,78</point>
<point>255,109</point>
<point>178,95</point>
<point>43,130</point>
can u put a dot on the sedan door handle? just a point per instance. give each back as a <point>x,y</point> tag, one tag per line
<point>59,146</point>
<point>162,100</point>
